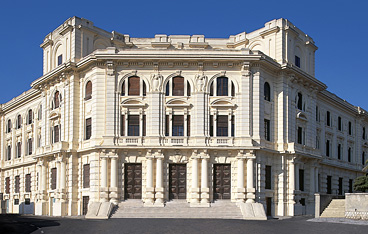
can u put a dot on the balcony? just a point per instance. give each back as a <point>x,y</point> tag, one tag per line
<point>56,147</point>
<point>131,140</point>
<point>175,141</point>
<point>221,141</point>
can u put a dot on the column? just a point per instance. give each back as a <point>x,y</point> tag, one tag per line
<point>149,182</point>
<point>312,181</point>
<point>195,188</point>
<point>104,189</point>
<point>159,195</point>
<point>62,178</point>
<point>39,172</point>
<point>240,195</point>
<point>114,180</point>
<point>58,176</point>
<point>316,180</point>
<point>250,185</point>
<point>43,178</point>
<point>204,181</point>
<point>297,177</point>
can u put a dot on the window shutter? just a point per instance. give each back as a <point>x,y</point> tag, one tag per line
<point>144,89</point>
<point>53,178</point>
<point>28,183</point>
<point>222,121</point>
<point>188,125</point>
<point>88,90</point>
<point>30,144</point>
<point>133,123</point>
<point>188,89</point>
<point>144,125</point>
<point>232,89</point>
<point>178,120</point>
<point>123,89</point>
<point>88,128</point>
<point>122,125</point>
<point>178,86</point>
<point>30,117</point>
<point>56,134</point>
<point>133,87</point>
<point>167,126</point>
<point>211,89</point>
<point>17,180</point>
<point>86,175</point>
<point>211,125</point>
<point>7,185</point>
<point>56,99</point>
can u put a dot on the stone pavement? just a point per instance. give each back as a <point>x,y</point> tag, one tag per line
<point>339,220</point>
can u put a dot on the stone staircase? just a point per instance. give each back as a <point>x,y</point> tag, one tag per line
<point>179,209</point>
<point>336,209</point>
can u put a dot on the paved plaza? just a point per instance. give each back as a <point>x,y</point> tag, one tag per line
<point>300,225</point>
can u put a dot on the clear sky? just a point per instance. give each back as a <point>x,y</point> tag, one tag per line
<point>339,29</point>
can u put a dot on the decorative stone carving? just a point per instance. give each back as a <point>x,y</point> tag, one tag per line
<point>201,81</point>
<point>156,81</point>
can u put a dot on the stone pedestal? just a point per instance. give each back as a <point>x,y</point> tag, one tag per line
<point>159,197</point>
<point>150,196</point>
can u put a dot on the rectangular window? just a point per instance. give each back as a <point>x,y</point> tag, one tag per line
<point>27,201</point>
<point>222,125</point>
<point>60,59</point>
<point>268,177</point>
<point>19,149</point>
<point>340,186</point>
<point>28,183</point>
<point>329,184</point>
<point>88,128</point>
<point>178,86</point>
<point>17,181</point>
<point>7,185</point>
<point>9,152</point>
<point>16,201</point>
<point>133,86</point>
<point>232,125</point>
<point>328,148</point>
<point>211,125</point>
<point>53,178</point>
<point>222,86</point>
<point>339,123</point>
<point>267,129</point>
<point>122,125</point>
<point>56,134</point>
<point>328,118</point>
<point>30,146</point>
<point>167,125</point>
<point>317,114</point>
<point>297,61</point>
<point>349,155</point>
<point>300,135</point>
<point>350,128</point>
<point>86,175</point>
<point>133,125</point>
<point>178,125</point>
<point>144,125</point>
<point>301,179</point>
<point>350,185</point>
<point>339,151</point>
<point>188,125</point>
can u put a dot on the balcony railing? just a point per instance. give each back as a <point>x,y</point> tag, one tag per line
<point>131,140</point>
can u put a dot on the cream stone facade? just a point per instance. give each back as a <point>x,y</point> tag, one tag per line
<point>178,117</point>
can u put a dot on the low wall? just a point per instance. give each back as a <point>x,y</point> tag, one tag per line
<point>322,201</point>
<point>356,206</point>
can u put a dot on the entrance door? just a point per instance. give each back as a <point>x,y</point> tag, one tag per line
<point>222,181</point>
<point>133,181</point>
<point>268,206</point>
<point>178,181</point>
<point>85,204</point>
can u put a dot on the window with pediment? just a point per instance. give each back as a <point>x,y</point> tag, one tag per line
<point>132,125</point>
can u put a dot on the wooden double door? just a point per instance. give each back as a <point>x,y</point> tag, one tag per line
<point>222,181</point>
<point>177,181</point>
<point>133,181</point>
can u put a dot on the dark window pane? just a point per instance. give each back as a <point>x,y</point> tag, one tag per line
<point>133,125</point>
<point>301,179</point>
<point>122,125</point>
<point>88,90</point>
<point>53,178</point>
<point>133,86</point>
<point>123,89</point>
<point>60,59</point>
<point>222,86</point>
<point>297,61</point>
<point>188,125</point>
<point>268,177</point>
<point>86,175</point>
<point>56,100</point>
<point>167,122</point>
<point>88,128</point>
<point>300,101</point>
<point>188,89</point>
<point>144,125</point>
<point>222,125</point>
<point>178,125</point>
<point>267,92</point>
<point>211,125</point>
<point>178,86</point>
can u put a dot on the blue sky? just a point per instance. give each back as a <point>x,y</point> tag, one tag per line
<point>339,28</point>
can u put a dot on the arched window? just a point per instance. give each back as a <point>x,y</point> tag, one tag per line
<point>56,100</point>
<point>267,92</point>
<point>300,101</point>
<point>363,136</point>
<point>363,158</point>
<point>30,117</point>
<point>178,86</point>
<point>88,91</point>
<point>133,86</point>
<point>19,121</point>
<point>221,87</point>
<point>9,127</point>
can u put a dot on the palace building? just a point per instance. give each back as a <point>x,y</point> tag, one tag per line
<point>116,118</point>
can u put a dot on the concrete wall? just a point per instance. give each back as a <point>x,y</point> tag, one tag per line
<point>356,206</point>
